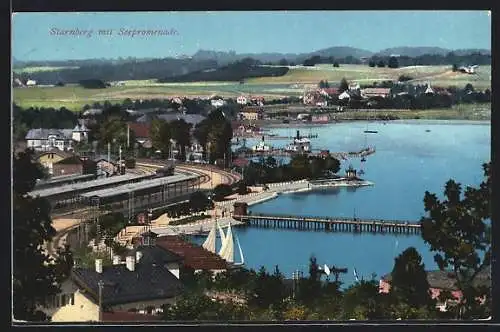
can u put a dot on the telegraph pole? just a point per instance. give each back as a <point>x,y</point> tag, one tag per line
<point>120,159</point>
<point>101,285</point>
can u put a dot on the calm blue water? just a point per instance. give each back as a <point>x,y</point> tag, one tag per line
<point>408,161</point>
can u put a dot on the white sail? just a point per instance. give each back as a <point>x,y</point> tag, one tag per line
<point>209,243</point>
<point>221,232</point>
<point>239,247</point>
<point>224,239</point>
<point>229,254</point>
<point>227,250</point>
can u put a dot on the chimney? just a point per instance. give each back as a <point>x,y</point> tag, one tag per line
<point>98,265</point>
<point>130,262</point>
<point>138,256</point>
<point>116,260</point>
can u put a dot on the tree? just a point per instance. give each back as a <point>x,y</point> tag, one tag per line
<point>344,86</point>
<point>381,64</point>
<point>181,133</point>
<point>198,201</point>
<point>161,134</point>
<point>371,63</point>
<point>222,190</point>
<point>242,188</point>
<point>283,62</point>
<point>336,64</point>
<point>459,231</point>
<point>393,62</point>
<point>36,275</point>
<point>409,280</point>
<point>454,68</point>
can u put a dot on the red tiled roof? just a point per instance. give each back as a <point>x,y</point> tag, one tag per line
<point>139,129</point>
<point>195,257</point>
<point>125,316</point>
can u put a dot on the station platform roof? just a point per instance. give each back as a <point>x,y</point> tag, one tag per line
<point>67,188</point>
<point>132,187</point>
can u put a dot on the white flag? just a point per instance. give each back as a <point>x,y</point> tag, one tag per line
<point>327,270</point>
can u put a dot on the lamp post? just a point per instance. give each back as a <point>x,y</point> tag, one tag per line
<point>101,286</point>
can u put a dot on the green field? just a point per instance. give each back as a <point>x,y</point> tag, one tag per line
<point>292,84</point>
<point>437,75</point>
<point>30,70</point>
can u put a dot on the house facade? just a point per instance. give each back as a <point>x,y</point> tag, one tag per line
<point>376,92</point>
<point>62,139</point>
<point>242,100</point>
<point>251,113</point>
<point>147,280</point>
<point>440,281</point>
<point>49,158</point>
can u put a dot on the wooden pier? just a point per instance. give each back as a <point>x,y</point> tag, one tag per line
<point>315,152</point>
<point>334,224</point>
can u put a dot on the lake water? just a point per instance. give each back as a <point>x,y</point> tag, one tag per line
<point>408,161</point>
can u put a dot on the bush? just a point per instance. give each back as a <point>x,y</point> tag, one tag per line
<point>221,191</point>
<point>242,188</point>
<point>404,78</point>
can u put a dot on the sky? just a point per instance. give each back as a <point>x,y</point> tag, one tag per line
<point>34,35</point>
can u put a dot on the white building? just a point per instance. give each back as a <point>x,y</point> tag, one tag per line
<point>30,83</point>
<point>217,102</point>
<point>242,100</point>
<point>47,139</point>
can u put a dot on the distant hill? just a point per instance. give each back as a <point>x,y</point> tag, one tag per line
<point>237,71</point>
<point>224,58</point>
<point>424,50</point>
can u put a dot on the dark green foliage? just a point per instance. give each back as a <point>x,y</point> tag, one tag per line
<point>35,275</point>
<point>222,190</point>
<point>343,85</point>
<point>242,188</point>
<point>323,84</point>
<point>92,84</point>
<point>199,201</point>
<point>393,62</point>
<point>454,68</point>
<point>381,64</point>
<point>459,231</point>
<point>404,78</point>
<point>237,71</point>
<point>409,280</point>
<point>201,308</point>
<point>215,133</point>
<point>336,64</point>
<point>371,63</point>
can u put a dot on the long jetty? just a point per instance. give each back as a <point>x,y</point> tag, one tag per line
<point>315,152</point>
<point>334,224</point>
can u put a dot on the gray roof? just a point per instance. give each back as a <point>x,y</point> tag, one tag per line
<point>88,184</point>
<point>126,188</point>
<point>156,255</point>
<point>149,281</point>
<point>64,178</point>
<point>44,133</point>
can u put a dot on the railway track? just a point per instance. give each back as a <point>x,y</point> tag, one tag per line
<point>146,167</point>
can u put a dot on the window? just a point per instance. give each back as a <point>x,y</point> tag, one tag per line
<point>72,299</point>
<point>63,300</point>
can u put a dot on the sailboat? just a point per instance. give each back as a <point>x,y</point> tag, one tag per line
<point>209,243</point>
<point>227,249</point>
